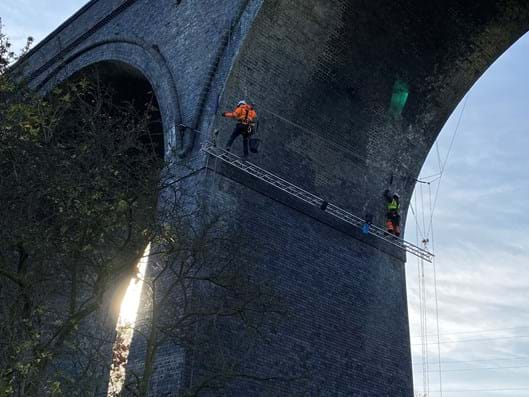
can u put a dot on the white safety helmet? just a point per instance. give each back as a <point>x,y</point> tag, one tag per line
<point>242,102</point>
<point>396,195</point>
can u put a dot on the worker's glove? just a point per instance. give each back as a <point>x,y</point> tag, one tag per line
<point>224,114</point>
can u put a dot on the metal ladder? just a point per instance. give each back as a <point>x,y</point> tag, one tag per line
<point>340,213</point>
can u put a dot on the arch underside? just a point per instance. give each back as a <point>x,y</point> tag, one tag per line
<point>351,95</point>
<point>135,82</point>
<point>137,60</point>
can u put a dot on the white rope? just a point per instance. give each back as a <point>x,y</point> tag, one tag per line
<point>425,308</point>
<point>436,296</point>
<point>339,146</point>
<point>423,304</point>
<point>418,227</point>
<point>428,235</point>
<point>424,345</point>
<point>443,168</point>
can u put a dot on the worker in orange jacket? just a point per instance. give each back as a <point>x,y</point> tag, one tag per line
<point>245,115</point>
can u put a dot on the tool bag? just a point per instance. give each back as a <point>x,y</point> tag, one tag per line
<point>367,223</point>
<point>254,142</point>
<point>254,145</point>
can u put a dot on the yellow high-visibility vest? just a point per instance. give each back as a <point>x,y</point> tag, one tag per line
<point>393,206</point>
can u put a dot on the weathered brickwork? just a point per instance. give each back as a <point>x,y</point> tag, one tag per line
<point>321,75</point>
<point>346,305</point>
<point>328,69</point>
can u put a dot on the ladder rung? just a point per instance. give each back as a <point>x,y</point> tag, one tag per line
<point>312,199</point>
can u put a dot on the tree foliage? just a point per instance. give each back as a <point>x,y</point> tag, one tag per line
<point>83,190</point>
<point>78,204</point>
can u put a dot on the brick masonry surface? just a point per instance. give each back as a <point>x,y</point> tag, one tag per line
<point>321,75</point>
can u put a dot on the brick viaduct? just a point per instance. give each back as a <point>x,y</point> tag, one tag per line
<point>322,75</point>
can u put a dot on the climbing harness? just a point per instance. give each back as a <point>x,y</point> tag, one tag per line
<point>303,195</point>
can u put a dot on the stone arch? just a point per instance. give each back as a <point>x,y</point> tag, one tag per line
<point>351,96</point>
<point>137,56</point>
<point>130,61</point>
<point>325,79</point>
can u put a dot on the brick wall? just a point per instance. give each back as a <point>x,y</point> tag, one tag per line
<point>321,75</point>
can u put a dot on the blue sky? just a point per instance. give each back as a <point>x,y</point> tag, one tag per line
<point>479,223</point>
<point>482,250</point>
<point>36,18</point>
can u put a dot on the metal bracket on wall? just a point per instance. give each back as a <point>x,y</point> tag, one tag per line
<point>301,194</point>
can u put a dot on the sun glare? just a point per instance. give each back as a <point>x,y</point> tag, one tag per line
<point>125,327</point>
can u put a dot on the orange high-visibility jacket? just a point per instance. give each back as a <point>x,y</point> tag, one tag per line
<point>244,113</point>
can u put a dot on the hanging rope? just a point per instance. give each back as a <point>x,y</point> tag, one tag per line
<point>424,328</point>
<point>423,332</point>
<point>420,215</point>
<point>443,165</point>
<point>436,297</point>
<point>418,227</point>
<point>429,236</point>
<point>339,146</point>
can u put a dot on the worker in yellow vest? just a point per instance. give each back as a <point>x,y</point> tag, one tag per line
<point>393,213</point>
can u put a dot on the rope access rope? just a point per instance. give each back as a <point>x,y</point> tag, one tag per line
<point>429,236</point>
<point>338,146</point>
<point>443,168</point>
<point>312,199</point>
<point>424,305</point>
<point>425,314</point>
<point>434,267</point>
<point>418,232</point>
<point>426,238</point>
<point>272,179</point>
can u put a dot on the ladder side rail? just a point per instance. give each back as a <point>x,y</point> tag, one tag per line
<point>297,188</point>
<point>379,232</point>
<point>343,213</point>
<point>353,220</point>
<point>312,199</point>
<point>347,214</point>
<point>285,186</point>
<point>300,197</point>
<point>269,178</point>
<point>414,248</point>
<point>288,183</point>
<point>289,188</point>
<point>356,221</point>
<point>270,174</point>
<point>309,200</point>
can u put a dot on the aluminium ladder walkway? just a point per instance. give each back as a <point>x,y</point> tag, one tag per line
<point>285,186</point>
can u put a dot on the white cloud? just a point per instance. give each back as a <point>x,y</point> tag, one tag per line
<point>36,18</point>
<point>481,223</point>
